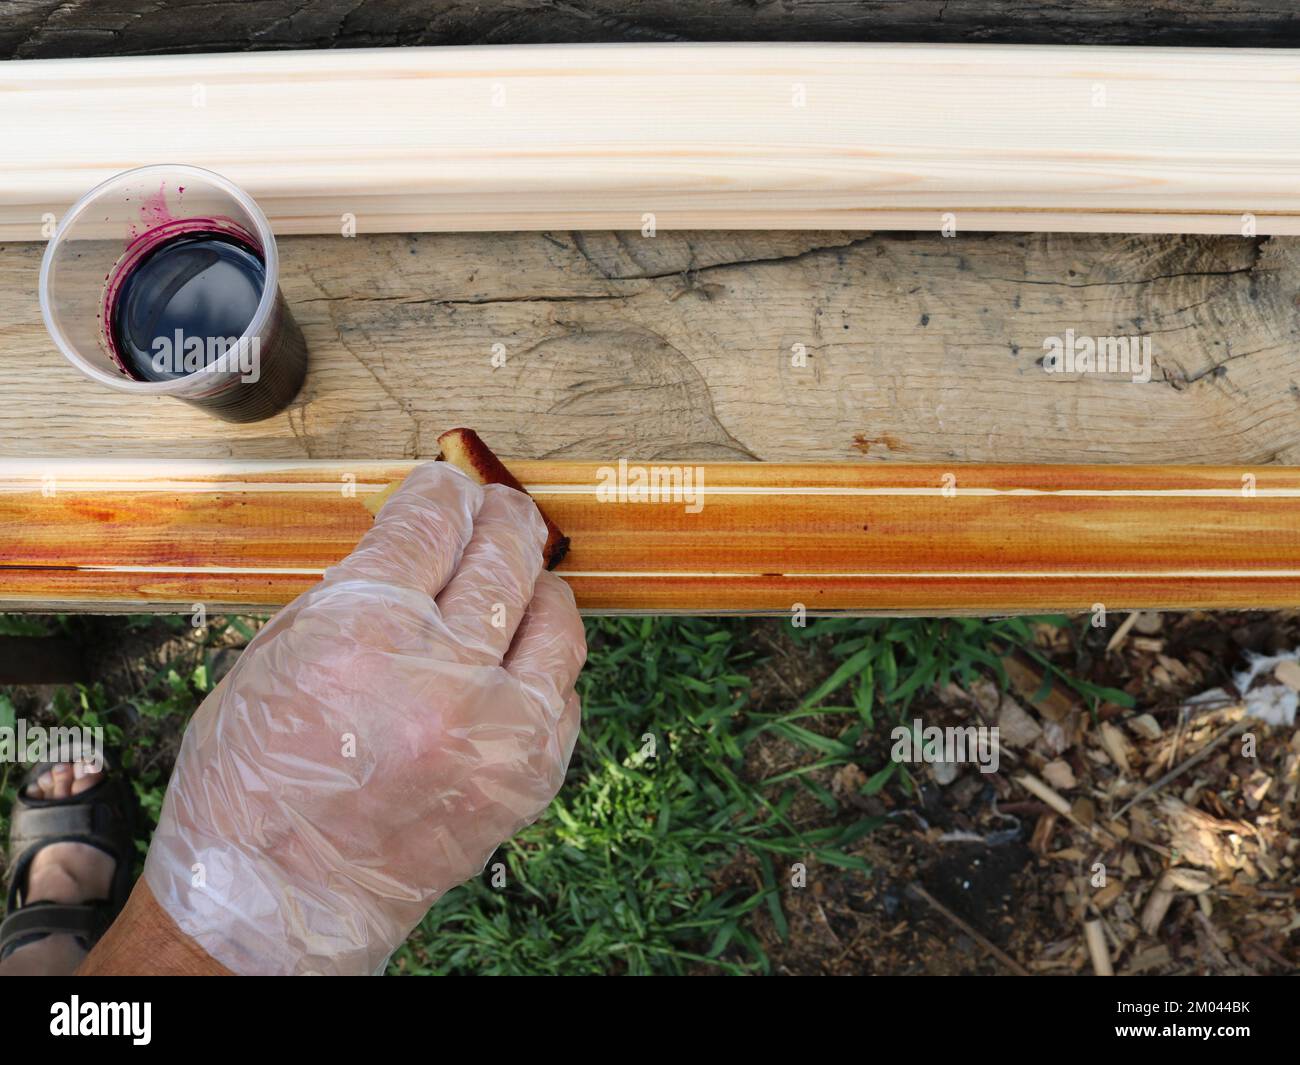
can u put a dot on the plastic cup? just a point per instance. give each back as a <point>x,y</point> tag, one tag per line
<point>111,230</point>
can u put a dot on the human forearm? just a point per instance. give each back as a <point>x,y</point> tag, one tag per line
<point>145,941</point>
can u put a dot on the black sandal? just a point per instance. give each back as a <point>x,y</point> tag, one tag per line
<point>103,817</point>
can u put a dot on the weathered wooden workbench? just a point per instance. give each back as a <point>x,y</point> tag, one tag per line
<point>919,348</point>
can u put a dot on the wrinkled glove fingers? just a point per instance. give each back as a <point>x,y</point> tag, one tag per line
<point>550,646</point>
<point>485,599</point>
<point>420,534</point>
<point>565,736</point>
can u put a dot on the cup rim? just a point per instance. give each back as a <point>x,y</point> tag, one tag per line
<point>265,306</point>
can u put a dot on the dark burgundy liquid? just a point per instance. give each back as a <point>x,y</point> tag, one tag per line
<point>201,284</point>
<point>206,285</point>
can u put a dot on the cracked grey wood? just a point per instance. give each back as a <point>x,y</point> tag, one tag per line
<point>919,348</point>
<point>34,29</point>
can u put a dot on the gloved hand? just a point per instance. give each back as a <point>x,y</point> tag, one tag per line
<point>377,740</point>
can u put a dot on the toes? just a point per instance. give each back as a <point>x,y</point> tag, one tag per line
<point>64,780</point>
<point>63,777</point>
<point>84,776</point>
<point>43,787</point>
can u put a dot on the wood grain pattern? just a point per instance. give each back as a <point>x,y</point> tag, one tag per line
<point>881,136</point>
<point>34,29</point>
<point>918,349</point>
<point>917,539</point>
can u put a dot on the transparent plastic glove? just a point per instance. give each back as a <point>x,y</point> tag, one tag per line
<point>377,740</point>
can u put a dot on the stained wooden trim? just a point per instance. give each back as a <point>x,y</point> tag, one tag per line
<point>699,136</point>
<point>867,538</point>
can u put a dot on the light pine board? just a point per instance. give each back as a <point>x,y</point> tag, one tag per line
<point>699,136</point>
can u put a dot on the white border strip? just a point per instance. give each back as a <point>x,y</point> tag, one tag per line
<point>947,575</point>
<point>325,488</point>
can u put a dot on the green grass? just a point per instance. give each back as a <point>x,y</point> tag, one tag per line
<point>661,849</point>
<point>891,660</point>
<point>620,875</point>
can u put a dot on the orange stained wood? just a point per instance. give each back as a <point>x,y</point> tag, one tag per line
<point>728,538</point>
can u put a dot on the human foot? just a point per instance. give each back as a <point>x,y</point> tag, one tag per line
<point>64,873</point>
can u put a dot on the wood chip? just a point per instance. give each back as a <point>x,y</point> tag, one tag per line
<point>1105,896</point>
<point>1193,881</point>
<point>1158,903</point>
<point>1200,839</point>
<point>987,695</point>
<point>1060,736</point>
<point>1176,668</point>
<point>1257,787</point>
<point>1288,673</point>
<point>1068,854</point>
<point>1149,622</point>
<point>1148,958</point>
<point>1028,681</point>
<point>1121,632</point>
<point>1062,806</point>
<point>1116,746</point>
<point>1036,787</point>
<point>1195,759</point>
<point>1094,935</point>
<point>1042,837</point>
<point>1015,727</point>
<point>1146,726</point>
<point>1059,775</point>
